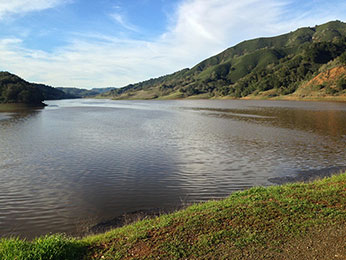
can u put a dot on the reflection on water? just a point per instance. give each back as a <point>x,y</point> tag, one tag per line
<point>80,162</point>
<point>14,113</point>
<point>324,122</point>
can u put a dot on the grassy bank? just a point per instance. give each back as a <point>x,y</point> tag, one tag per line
<point>294,221</point>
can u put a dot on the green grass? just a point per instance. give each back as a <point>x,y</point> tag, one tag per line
<point>277,222</point>
<point>53,247</point>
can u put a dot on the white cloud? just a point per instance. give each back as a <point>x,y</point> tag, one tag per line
<point>206,27</point>
<point>120,19</point>
<point>199,29</point>
<point>10,7</point>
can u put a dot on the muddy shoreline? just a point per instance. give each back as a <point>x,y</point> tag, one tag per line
<point>308,175</point>
<point>128,218</point>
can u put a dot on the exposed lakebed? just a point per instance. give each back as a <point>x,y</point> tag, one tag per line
<point>76,163</point>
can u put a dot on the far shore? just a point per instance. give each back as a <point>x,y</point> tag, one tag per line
<point>341,98</point>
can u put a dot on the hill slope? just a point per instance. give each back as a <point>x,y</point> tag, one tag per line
<point>280,64</point>
<point>13,89</point>
<point>328,82</point>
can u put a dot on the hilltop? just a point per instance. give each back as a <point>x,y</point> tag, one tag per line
<point>14,89</point>
<point>277,66</point>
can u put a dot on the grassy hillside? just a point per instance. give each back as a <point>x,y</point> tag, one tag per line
<point>13,89</point>
<point>280,64</point>
<point>294,221</point>
<point>329,82</point>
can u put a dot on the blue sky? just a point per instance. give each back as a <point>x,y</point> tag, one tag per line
<point>102,43</point>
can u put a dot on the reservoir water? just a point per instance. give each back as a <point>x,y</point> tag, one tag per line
<point>79,162</point>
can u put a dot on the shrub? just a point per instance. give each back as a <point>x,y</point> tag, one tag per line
<point>341,84</point>
<point>343,58</point>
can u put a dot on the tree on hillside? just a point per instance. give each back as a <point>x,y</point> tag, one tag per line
<point>343,58</point>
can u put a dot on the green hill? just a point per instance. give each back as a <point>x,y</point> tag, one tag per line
<point>13,89</point>
<point>274,66</point>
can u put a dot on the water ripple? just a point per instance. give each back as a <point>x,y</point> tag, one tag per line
<point>79,162</point>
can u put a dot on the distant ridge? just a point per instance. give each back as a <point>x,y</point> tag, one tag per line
<point>81,92</point>
<point>258,68</point>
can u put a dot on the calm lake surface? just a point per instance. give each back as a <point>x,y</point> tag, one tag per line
<point>79,162</point>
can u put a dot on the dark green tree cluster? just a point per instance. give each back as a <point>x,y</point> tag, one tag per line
<point>13,89</point>
<point>341,84</point>
<point>16,90</point>
<point>323,52</point>
<point>343,58</point>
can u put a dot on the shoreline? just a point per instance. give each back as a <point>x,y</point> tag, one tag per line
<point>341,99</point>
<point>299,220</point>
<point>308,175</point>
<point>128,218</point>
<point>261,221</point>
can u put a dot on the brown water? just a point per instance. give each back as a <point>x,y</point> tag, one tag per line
<point>76,163</point>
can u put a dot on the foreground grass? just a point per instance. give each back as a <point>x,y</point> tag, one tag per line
<point>295,221</point>
<point>54,247</point>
